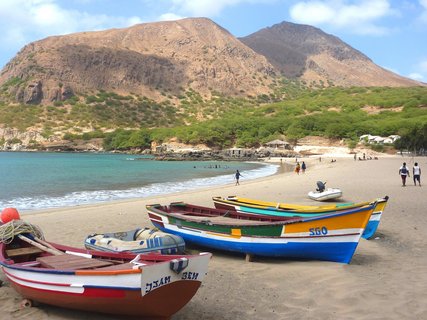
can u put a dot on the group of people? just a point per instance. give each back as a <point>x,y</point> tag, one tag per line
<point>416,173</point>
<point>403,172</point>
<point>300,167</point>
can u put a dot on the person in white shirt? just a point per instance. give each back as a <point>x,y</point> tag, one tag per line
<point>416,172</point>
<point>404,172</point>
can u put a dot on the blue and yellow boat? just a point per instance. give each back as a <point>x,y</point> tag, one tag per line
<point>332,237</point>
<point>296,210</point>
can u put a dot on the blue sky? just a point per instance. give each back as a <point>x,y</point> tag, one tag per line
<point>393,33</point>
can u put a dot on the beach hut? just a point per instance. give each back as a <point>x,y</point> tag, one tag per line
<point>238,152</point>
<point>278,144</point>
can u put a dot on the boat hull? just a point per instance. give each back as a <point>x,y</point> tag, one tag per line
<point>151,286</point>
<point>300,250</point>
<point>159,304</point>
<point>333,238</point>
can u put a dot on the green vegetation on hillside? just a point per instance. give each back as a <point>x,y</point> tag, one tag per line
<point>291,110</point>
<point>333,112</point>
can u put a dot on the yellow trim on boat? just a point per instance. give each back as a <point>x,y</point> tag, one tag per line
<point>302,208</point>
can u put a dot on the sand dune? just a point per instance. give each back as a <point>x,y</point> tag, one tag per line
<point>385,280</point>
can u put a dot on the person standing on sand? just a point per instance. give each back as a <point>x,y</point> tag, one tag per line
<point>237,176</point>
<point>303,167</point>
<point>297,168</point>
<point>416,172</point>
<point>404,172</point>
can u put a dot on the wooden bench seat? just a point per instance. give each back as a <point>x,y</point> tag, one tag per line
<point>71,262</point>
<point>22,251</point>
<point>122,266</point>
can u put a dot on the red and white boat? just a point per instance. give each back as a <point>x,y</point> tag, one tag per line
<point>152,286</point>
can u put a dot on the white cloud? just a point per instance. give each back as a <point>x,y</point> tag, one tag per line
<point>360,17</point>
<point>423,15</point>
<point>416,76</point>
<point>391,69</point>
<point>22,21</point>
<point>208,8</point>
<point>170,17</point>
<point>203,8</point>
<point>39,18</point>
<point>421,71</point>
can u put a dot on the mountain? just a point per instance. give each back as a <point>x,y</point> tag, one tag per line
<point>307,53</point>
<point>166,59</point>
<point>151,59</point>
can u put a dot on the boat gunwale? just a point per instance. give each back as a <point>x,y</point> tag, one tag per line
<point>278,206</point>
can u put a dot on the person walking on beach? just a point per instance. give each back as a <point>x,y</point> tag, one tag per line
<point>297,168</point>
<point>303,167</point>
<point>404,172</point>
<point>416,172</point>
<point>237,176</point>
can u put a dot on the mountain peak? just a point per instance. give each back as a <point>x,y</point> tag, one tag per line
<point>310,54</point>
<point>148,59</point>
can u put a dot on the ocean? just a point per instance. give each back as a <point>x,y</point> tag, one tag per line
<point>40,180</point>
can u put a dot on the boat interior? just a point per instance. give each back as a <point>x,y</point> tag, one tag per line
<point>198,213</point>
<point>21,253</point>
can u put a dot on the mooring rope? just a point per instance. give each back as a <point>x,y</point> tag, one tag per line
<point>10,230</point>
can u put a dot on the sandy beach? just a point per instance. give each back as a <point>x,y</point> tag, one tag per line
<point>386,279</point>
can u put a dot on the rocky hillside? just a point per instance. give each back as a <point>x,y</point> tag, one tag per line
<point>151,60</point>
<point>166,59</point>
<point>308,53</point>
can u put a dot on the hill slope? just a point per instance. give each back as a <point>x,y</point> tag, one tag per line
<point>308,53</point>
<point>147,59</point>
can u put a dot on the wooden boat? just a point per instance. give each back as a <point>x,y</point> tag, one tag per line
<point>332,237</point>
<point>151,286</point>
<point>296,210</point>
<point>136,241</point>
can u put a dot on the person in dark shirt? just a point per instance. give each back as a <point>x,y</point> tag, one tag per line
<point>237,176</point>
<point>303,167</point>
<point>404,172</point>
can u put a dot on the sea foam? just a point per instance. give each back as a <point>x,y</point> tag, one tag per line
<point>154,189</point>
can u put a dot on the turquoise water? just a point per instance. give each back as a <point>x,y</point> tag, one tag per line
<point>33,180</point>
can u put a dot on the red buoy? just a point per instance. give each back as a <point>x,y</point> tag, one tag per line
<point>9,214</point>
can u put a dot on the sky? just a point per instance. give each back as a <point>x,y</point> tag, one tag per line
<point>393,33</point>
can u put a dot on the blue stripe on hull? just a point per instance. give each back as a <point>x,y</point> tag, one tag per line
<point>334,251</point>
<point>370,229</point>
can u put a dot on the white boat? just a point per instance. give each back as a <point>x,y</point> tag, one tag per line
<point>323,194</point>
<point>148,286</point>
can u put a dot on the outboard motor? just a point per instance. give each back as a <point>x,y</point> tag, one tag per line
<point>320,186</point>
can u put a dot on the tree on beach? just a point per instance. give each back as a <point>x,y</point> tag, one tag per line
<point>413,139</point>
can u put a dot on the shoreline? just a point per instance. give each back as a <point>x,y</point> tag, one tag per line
<point>311,161</point>
<point>386,278</point>
<point>83,189</point>
<point>280,171</point>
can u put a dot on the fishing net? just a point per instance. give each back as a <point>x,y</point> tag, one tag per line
<point>10,230</point>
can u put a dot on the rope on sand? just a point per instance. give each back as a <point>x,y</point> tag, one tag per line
<point>10,230</point>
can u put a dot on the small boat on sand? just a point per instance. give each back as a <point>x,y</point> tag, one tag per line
<point>327,194</point>
<point>323,194</point>
<point>136,241</point>
<point>151,286</point>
